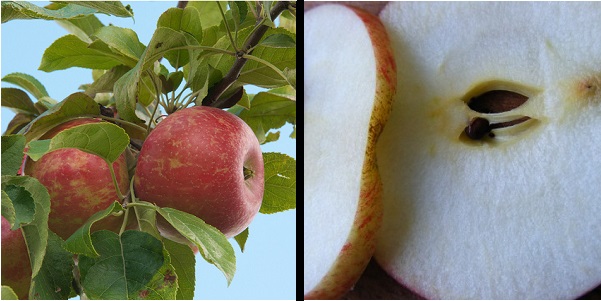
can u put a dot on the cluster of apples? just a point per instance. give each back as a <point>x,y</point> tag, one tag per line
<point>489,161</point>
<point>200,160</point>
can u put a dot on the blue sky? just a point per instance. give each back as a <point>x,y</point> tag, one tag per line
<point>267,268</point>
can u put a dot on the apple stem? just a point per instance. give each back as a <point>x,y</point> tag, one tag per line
<point>119,194</point>
<point>248,173</point>
<point>124,224</point>
<point>142,205</point>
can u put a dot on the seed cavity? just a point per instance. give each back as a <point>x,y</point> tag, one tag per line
<point>496,112</point>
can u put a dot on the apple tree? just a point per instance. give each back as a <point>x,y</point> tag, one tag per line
<point>108,193</point>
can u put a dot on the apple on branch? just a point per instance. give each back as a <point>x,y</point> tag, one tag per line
<point>490,159</point>
<point>349,83</point>
<point>206,162</point>
<point>79,184</point>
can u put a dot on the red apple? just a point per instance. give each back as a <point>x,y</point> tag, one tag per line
<point>16,269</point>
<point>79,184</point>
<point>204,161</point>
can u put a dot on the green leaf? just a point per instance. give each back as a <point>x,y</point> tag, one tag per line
<point>241,239</point>
<point>172,82</point>
<point>45,103</point>
<point>17,123</point>
<point>164,285</point>
<point>69,51</point>
<point>256,73</point>
<point>209,12</point>
<point>184,262</point>
<point>211,35</point>
<point>253,72</point>
<point>12,153</point>
<point>80,242</point>
<point>244,101</point>
<point>280,183</point>
<point>103,139</point>
<point>22,202</point>
<point>271,137</point>
<point>183,20</point>
<point>7,292</point>
<point>122,40</point>
<point>8,210</point>
<point>212,244</point>
<point>114,8</point>
<point>106,81</point>
<point>54,280</point>
<point>27,82</point>
<point>128,89</point>
<point>125,267</point>
<point>267,9</point>
<point>18,101</point>
<point>147,221</point>
<point>268,111</point>
<point>233,22</point>
<point>97,73</point>
<point>279,41</point>
<point>291,77</point>
<point>204,78</point>
<point>288,21</point>
<point>75,105</point>
<point>24,10</point>
<point>103,47</point>
<point>239,11</point>
<point>83,28</point>
<point>36,232</point>
<point>285,91</point>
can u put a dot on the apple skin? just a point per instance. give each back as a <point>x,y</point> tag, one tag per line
<point>79,184</point>
<point>16,269</point>
<point>193,161</point>
<point>361,243</point>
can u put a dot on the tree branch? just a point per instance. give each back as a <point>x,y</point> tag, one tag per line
<point>212,99</point>
<point>182,4</point>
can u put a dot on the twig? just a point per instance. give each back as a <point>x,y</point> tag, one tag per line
<point>212,98</point>
<point>182,4</point>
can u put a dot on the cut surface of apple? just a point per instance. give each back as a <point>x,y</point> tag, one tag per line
<point>490,159</point>
<point>349,84</point>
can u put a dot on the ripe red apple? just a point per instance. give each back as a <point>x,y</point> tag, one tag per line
<point>204,161</point>
<point>79,184</point>
<point>16,269</point>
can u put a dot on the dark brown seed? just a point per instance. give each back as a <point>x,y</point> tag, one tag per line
<point>496,101</point>
<point>477,128</point>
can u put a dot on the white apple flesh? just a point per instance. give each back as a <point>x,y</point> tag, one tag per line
<point>349,84</point>
<point>515,214</point>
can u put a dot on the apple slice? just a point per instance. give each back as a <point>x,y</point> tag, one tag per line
<point>349,83</point>
<point>490,160</point>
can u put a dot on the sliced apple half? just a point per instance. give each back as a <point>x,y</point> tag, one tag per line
<point>350,79</point>
<point>490,161</point>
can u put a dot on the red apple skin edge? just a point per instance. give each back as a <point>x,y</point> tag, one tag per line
<point>350,264</point>
<point>16,269</point>
<point>79,184</point>
<point>193,161</point>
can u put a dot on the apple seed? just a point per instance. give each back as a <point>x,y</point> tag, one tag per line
<point>496,101</point>
<point>477,128</point>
